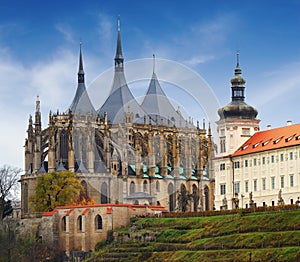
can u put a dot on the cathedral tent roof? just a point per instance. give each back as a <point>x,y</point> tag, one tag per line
<point>44,168</point>
<point>81,103</point>
<point>120,99</point>
<point>81,168</point>
<point>157,104</point>
<point>61,167</point>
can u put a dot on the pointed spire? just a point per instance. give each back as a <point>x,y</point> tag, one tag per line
<point>237,70</point>
<point>37,104</point>
<point>80,70</point>
<point>209,129</point>
<point>119,60</point>
<point>237,108</point>
<point>153,63</point>
<point>238,82</point>
<point>81,103</point>
<point>237,59</point>
<point>30,120</point>
<point>37,115</point>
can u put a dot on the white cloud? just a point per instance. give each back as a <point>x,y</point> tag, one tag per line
<point>54,81</point>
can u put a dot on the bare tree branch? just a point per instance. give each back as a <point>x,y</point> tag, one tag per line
<point>9,177</point>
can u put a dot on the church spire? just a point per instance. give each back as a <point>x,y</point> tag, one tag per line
<point>238,70</point>
<point>119,60</point>
<point>80,70</point>
<point>237,59</point>
<point>237,108</point>
<point>37,114</point>
<point>153,63</point>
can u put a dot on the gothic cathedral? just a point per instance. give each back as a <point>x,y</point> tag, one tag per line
<point>124,152</point>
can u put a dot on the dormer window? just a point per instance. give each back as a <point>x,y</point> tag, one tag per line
<point>266,142</point>
<point>245,147</point>
<point>277,140</point>
<point>289,138</point>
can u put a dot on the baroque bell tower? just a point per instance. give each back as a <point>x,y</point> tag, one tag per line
<point>238,120</point>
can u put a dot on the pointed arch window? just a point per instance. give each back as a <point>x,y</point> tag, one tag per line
<point>157,186</point>
<point>172,197</point>
<point>132,188</point>
<point>85,189</point>
<point>64,224</point>
<point>145,186</point>
<point>79,224</point>
<point>98,222</point>
<point>63,146</point>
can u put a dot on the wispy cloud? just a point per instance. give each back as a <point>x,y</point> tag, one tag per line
<point>66,31</point>
<point>196,60</point>
<point>279,83</point>
<point>106,26</point>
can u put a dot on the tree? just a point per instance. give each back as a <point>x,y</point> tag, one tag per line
<point>55,189</point>
<point>83,199</point>
<point>9,177</point>
<point>8,209</point>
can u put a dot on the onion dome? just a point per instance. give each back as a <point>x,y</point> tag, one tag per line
<point>238,108</point>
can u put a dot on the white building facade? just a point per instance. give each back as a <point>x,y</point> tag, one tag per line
<point>264,171</point>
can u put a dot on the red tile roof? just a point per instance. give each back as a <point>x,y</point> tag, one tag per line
<point>49,213</point>
<point>85,211</point>
<point>108,208</point>
<point>271,139</point>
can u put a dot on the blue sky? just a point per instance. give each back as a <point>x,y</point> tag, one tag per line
<point>39,45</point>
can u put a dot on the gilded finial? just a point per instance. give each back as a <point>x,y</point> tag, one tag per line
<point>119,26</point>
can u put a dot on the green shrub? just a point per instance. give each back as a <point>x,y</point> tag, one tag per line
<point>101,244</point>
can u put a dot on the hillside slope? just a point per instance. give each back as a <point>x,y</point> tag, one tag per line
<point>266,236</point>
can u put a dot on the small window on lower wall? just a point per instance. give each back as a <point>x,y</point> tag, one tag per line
<point>64,224</point>
<point>98,222</point>
<point>79,224</point>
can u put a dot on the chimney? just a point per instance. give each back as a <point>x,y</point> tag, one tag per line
<point>289,123</point>
<point>268,127</point>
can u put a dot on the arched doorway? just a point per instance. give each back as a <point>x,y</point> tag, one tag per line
<point>183,199</point>
<point>206,195</point>
<point>104,194</point>
<point>171,197</point>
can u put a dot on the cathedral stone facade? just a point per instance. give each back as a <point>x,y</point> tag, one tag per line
<point>124,152</point>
